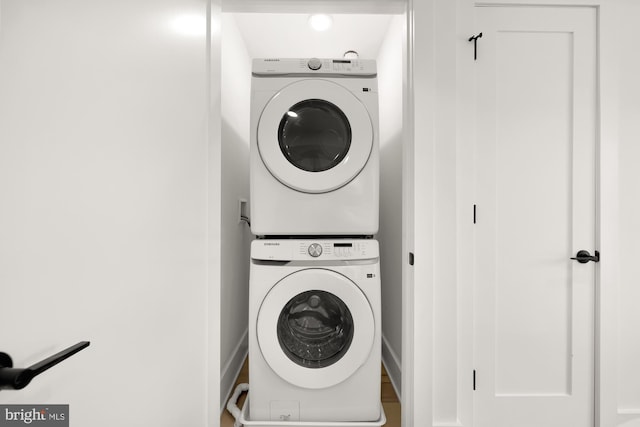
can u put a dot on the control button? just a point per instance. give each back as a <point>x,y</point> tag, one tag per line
<point>314,64</point>
<point>315,250</point>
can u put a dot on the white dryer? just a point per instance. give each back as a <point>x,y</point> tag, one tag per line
<point>314,147</point>
<point>314,330</point>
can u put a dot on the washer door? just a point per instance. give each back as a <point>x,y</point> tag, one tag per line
<point>315,328</point>
<point>315,136</point>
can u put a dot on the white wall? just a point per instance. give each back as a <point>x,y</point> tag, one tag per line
<point>234,310</point>
<point>103,172</point>
<point>446,292</point>
<point>629,212</point>
<point>453,166</point>
<point>417,334</point>
<point>439,300</point>
<point>390,90</point>
<point>214,223</point>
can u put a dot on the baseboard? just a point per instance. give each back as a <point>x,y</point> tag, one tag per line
<point>393,366</point>
<point>232,369</point>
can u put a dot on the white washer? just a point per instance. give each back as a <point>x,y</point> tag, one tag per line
<point>314,147</point>
<point>314,330</point>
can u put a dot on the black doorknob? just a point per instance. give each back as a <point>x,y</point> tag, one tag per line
<point>584,257</point>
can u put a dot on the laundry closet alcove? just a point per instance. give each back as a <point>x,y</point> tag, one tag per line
<point>376,30</point>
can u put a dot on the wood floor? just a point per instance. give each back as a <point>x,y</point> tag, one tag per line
<point>389,399</point>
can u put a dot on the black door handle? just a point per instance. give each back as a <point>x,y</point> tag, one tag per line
<point>584,257</point>
<point>16,378</point>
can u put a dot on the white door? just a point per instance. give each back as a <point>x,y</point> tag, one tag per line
<point>315,136</point>
<point>315,328</point>
<point>103,209</point>
<point>536,139</point>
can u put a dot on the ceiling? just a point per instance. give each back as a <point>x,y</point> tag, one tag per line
<point>288,35</point>
<point>315,6</point>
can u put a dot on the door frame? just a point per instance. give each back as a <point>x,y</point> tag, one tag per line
<point>427,64</point>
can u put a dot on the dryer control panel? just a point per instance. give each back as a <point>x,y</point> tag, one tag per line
<point>307,66</point>
<point>310,249</point>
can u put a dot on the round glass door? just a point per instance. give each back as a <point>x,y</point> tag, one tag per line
<point>315,328</point>
<point>315,136</point>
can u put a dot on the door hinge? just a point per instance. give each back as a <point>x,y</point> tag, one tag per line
<point>474,39</point>
<point>474,380</point>
<point>411,258</point>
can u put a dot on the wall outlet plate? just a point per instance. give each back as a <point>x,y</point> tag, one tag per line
<point>243,210</point>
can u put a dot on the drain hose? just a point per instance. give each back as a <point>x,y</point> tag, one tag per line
<point>232,405</point>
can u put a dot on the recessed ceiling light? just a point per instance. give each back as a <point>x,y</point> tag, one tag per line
<point>320,22</point>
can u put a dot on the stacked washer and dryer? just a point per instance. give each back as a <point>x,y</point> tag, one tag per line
<point>314,309</point>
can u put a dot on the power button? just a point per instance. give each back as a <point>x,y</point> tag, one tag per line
<point>314,64</point>
<point>315,250</point>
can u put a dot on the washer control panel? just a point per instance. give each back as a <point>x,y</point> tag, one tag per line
<point>335,249</point>
<point>318,249</point>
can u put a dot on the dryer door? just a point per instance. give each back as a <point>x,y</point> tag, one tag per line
<point>315,328</point>
<point>315,136</point>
